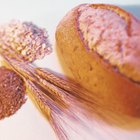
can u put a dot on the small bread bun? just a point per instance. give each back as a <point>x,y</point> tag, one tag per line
<point>12,92</point>
<point>99,46</point>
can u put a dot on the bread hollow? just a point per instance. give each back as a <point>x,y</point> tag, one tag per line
<point>98,46</point>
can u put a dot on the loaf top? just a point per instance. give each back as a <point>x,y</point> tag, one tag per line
<point>114,34</point>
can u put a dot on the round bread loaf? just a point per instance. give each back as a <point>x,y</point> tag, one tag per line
<point>98,45</point>
<point>12,92</point>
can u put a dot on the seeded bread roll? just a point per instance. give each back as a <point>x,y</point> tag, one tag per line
<point>12,92</point>
<point>99,46</point>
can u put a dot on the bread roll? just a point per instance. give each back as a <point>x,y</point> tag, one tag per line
<point>12,92</point>
<point>98,45</point>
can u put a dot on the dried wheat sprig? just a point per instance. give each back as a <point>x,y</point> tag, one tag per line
<point>59,99</point>
<point>25,39</point>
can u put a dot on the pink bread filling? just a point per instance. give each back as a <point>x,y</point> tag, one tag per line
<point>107,33</point>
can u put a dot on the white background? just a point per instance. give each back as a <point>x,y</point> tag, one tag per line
<point>28,123</point>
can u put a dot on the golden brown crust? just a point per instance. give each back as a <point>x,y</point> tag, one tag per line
<point>113,89</point>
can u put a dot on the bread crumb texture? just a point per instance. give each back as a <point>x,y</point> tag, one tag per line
<point>113,36</point>
<point>12,92</point>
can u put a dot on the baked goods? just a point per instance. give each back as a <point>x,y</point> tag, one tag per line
<point>99,46</point>
<point>12,92</point>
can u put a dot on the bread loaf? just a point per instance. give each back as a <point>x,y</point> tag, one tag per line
<point>98,45</point>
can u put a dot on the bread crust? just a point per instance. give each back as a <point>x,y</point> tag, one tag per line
<point>114,90</point>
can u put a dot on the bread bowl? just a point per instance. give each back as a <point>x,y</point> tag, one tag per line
<point>98,46</point>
